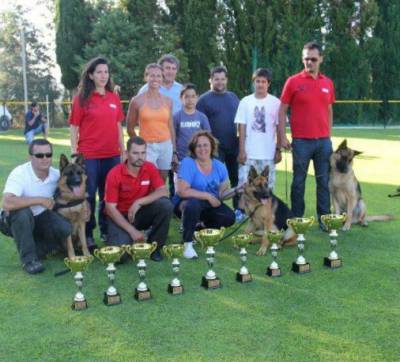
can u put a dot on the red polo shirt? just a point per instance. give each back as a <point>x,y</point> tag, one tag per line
<point>98,122</point>
<point>122,188</point>
<point>309,99</point>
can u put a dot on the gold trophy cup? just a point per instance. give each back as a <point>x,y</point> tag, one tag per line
<point>141,252</point>
<point>110,255</point>
<point>209,238</point>
<point>274,237</point>
<point>240,241</point>
<point>174,252</point>
<point>300,225</point>
<point>77,265</point>
<point>333,222</point>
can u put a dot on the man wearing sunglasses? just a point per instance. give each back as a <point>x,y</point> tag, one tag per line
<point>310,95</point>
<point>28,196</point>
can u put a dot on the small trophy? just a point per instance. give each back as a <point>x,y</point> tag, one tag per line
<point>209,238</point>
<point>141,252</point>
<point>174,251</point>
<point>110,255</point>
<point>241,241</point>
<point>77,265</point>
<point>333,222</point>
<point>274,237</point>
<point>300,226</point>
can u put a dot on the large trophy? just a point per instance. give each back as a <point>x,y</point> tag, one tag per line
<point>274,237</point>
<point>209,238</point>
<point>141,252</point>
<point>300,225</point>
<point>77,265</point>
<point>333,222</point>
<point>110,255</point>
<point>241,241</point>
<point>174,251</point>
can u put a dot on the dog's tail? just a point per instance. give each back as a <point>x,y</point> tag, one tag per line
<point>385,217</point>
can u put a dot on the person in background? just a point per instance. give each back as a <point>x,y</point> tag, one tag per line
<point>35,123</point>
<point>96,132</point>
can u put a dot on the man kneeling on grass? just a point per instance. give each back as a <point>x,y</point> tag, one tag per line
<point>28,196</point>
<point>137,199</point>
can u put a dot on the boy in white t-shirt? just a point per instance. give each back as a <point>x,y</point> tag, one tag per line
<point>257,117</point>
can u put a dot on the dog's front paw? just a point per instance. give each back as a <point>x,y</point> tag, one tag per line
<point>262,251</point>
<point>346,227</point>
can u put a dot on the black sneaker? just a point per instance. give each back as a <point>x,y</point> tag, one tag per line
<point>156,256</point>
<point>91,244</point>
<point>103,237</point>
<point>323,227</point>
<point>33,267</point>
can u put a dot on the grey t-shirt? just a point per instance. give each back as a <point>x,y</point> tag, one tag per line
<point>185,125</point>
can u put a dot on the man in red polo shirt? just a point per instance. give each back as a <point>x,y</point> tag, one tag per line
<point>310,95</point>
<point>137,199</point>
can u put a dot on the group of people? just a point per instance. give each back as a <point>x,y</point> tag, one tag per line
<point>190,140</point>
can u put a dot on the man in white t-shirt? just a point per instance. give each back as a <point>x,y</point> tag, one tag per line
<point>257,117</point>
<point>28,196</point>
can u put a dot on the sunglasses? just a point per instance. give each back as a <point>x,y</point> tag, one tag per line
<point>43,155</point>
<point>310,59</point>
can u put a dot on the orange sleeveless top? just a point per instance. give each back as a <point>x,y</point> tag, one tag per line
<point>154,124</point>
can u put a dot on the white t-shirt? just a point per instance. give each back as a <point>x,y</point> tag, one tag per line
<point>23,182</point>
<point>260,115</point>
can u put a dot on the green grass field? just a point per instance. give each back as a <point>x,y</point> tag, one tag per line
<point>349,314</point>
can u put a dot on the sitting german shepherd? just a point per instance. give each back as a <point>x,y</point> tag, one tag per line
<point>265,210</point>
<point>346,190</point>
<point>70,200</point>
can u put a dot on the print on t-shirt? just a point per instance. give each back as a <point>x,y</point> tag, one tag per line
<point>259,120</point>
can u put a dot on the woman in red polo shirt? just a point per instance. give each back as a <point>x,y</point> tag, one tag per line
<point>96,132</point>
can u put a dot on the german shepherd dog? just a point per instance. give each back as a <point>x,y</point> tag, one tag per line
<point>346,190</point>
<point>266,211</point>
<point>70,200</point>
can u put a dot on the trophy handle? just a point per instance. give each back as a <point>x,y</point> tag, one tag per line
<point>67,263</point>
<point>96,253</point>
<point>312,218</point>
<point>153,246</point>
<point>166,251</point>
<point>289,222</point>
<point>196,235</point>
<point>222,230</point>
<point>126,249</point>
<point>344,216</point>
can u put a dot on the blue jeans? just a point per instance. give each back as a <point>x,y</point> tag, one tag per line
<point>97,170</point>
<point>30,135</point>
<point>304,150</point>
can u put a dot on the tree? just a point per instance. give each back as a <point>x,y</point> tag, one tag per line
<point>73,28</point>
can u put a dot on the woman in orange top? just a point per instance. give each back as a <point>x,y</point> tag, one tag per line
<point>152,111</point>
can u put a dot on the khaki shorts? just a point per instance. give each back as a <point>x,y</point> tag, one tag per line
<point>160,154</point>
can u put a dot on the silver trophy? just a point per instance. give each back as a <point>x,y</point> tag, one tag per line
<point>333,222</point>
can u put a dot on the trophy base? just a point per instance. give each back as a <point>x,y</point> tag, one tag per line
<point>110,300</point>
<point>210,283</point>
<point>301,268</point>
<point>243,278</point>
<point>142,295</point>
<point>79,305</point>
<point>175,290</point>
<point>333,264</point>
<point>274,272</point>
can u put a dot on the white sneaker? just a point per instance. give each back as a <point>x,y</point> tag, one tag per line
<point>188,251</point>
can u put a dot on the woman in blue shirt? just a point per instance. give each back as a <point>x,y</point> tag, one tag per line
<point>202,180</point>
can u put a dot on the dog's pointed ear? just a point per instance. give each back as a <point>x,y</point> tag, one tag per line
<point>252,174</point>
<point>356,153</point>
<point>79,159</point>
<point>63,161</point>
<point>265,172</point>
<point>343,145</point>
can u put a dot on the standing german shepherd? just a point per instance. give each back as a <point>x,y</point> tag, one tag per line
<point>346,190</point>
<point>265,210</point>
<point>70,200</point>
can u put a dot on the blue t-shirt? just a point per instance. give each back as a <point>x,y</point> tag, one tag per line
<point>28,117</point>
<point>174,93</point>
<point>220,109</point>
<point>185,125</point>
<point>190,173</point>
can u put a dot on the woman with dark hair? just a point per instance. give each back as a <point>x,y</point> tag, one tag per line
<point>201,186</point>
<point>96,132</point>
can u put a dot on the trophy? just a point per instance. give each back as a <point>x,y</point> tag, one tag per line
<point>274,237</point>
<point>141,252</point>
<point>333,222</point>
<point>241,241</point>
<point>174,251</point>
<point>300,225</point>
<point>209,238</point>
<point>77,265</point>
<point>110,255</point>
